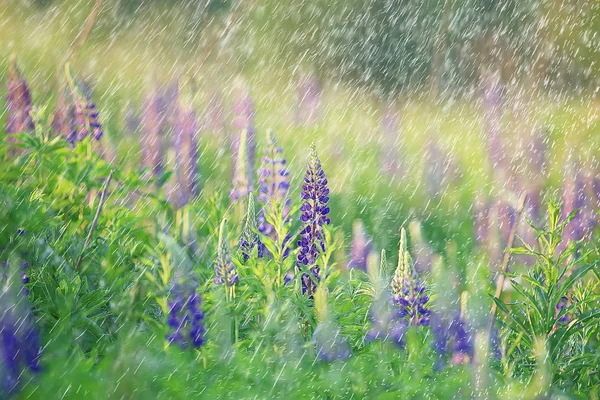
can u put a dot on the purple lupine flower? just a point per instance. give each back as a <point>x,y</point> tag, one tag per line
<point>361,246</point>
<point>453,337</point>
<point>274,187</point>
<point>309,100</point>
<point>185,132</point>
<point>153,128</point>
<point>224,269</point>
<point>243,120</point>
<point>86,120</point>
<point>387,325</point>
<point>315,195</point>
<point>18,99</point>
<point>85,117</point>
<point>243,176</point>
<point>64,117</point>
<point>186,318</point>
<point>562,303</point>
<point>19,342</point>
<point>408,292</point>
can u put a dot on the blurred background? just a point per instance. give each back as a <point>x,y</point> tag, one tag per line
<point>419,108</point>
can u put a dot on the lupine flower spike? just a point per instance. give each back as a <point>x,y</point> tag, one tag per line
<point>18,99</point>
<point>361,246</point>
<point>224,268</point>
<point>153,126</point>
<point>86,116</point>
<point>185,131</point>
<point>242,179</point>
<point>408,292</point>
<point>274,186</point>
<point>249,238</point>
<point>315,195</point>
<point>19,340</point>
<point>186,318</point>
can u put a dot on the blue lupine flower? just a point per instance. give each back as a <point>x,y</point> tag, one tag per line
<point>19,341</point>
<point>224,268</point>
<point>186,318</point>
<point>274,187</point>
<point>18,99</point>
<point>453,337</point>
<point>407,291</point>
<point>314,214</point>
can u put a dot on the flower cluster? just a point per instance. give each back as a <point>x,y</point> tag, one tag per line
<point>18,99</point>
<point>407,291</point>
<point>186,318</point>
<point>224,269</point>
<point>315,195</point>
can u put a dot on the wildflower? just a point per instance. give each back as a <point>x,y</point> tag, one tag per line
<point>19,342</point>
<point>274,186</point>
<point>224,268</point>
<point>153,126</point>
<point>453,337</point>
<point>18,99</point>
<point>186,318</point>
<point>185,131</point>
<point>85,115</point>
<point>315,195</point>
<point>408,292</point>
<point>249,238</point>
<point>242,179</point>
<point>361,246</point>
